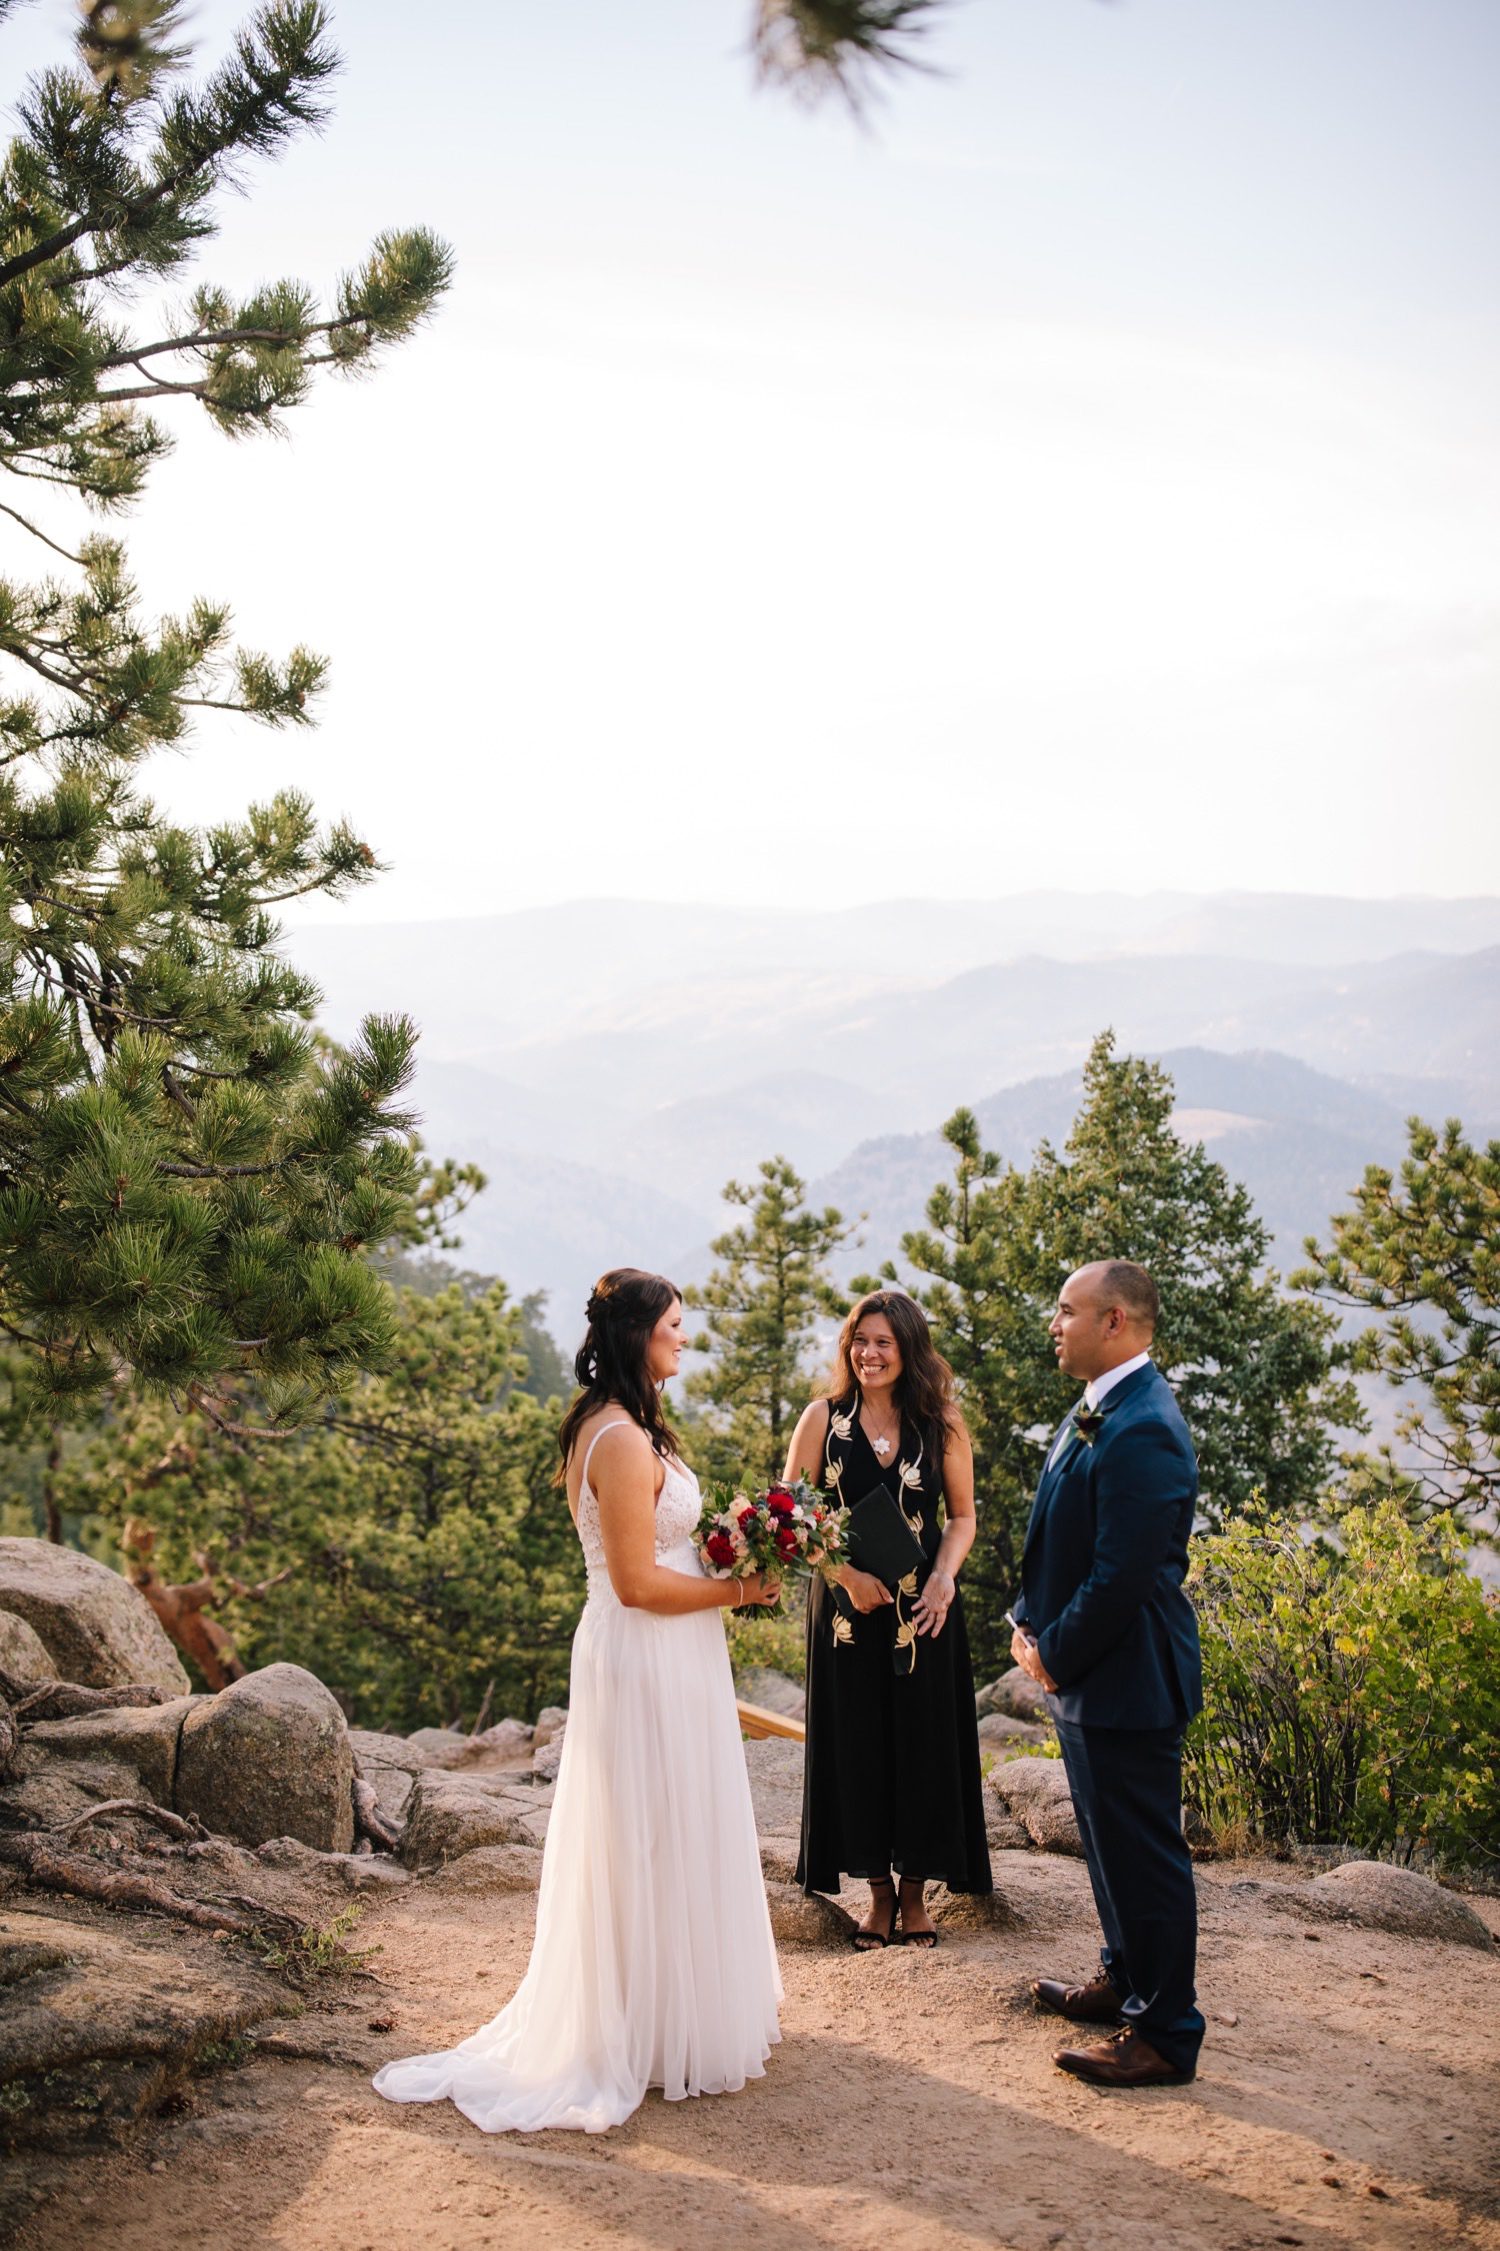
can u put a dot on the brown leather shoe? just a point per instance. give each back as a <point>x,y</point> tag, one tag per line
<point>1125,2061</point>
<point>1094,2003</point>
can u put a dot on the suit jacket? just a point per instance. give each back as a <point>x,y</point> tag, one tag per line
<point>1104,1561</point>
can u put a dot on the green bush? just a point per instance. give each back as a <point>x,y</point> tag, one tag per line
<point>1352,1689</point>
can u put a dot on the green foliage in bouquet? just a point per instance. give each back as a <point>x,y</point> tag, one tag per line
<point>431,1556</point>
<point>1351,1688</point>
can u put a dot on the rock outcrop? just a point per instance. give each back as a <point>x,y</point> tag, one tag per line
<point>1035,1792</point>
<point>1383,1898</point>
<point>269,1757</point>
<point>1016,1694</point>
<point>449,1815</point>
<point>95,1628</point>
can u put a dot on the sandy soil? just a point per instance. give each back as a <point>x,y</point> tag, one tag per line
<point>1349,2094</point>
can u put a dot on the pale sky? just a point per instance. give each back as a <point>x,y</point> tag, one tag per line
<point>1087,476</point>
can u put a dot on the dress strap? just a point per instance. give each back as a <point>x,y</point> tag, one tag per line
<point>621,1422</point>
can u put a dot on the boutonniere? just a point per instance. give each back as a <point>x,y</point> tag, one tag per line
<point>1088,1422</point>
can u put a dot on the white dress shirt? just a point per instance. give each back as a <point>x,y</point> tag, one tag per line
<point>1094,1394</point>
<point>1096,1391</point>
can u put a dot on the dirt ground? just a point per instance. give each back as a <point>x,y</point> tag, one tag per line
<point>1349,2094</point>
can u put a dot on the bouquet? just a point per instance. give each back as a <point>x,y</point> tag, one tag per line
<point>783,1531</point>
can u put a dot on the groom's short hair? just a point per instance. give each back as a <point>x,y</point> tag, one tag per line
<point>1122,1282</point>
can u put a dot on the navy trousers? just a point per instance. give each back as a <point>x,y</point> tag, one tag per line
<point>1127,1795</point>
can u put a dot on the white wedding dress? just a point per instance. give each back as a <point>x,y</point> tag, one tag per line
<point>653,1963</point>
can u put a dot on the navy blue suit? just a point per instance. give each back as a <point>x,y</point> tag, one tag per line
<point>1101,1588</point>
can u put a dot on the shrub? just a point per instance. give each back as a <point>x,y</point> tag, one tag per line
<point>1352,1688</point>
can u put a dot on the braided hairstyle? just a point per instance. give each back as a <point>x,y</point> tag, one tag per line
<point>624,1308</point>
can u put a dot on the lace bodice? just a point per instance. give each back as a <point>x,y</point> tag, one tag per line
<point>678,1507</point>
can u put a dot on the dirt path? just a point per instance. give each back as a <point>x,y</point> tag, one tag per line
<point>1353,2101</point>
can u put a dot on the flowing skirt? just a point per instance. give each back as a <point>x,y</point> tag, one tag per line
<point>653,1963</point>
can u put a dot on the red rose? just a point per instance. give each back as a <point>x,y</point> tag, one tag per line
<point>786,1541</point>
<point>779,1501</point>
<point>719,1548</point>
<point>747,1518</point>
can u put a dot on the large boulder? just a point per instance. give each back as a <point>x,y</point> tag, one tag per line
<point>1399,1900</point>
<point>142,1737</point>
<point>550,1721</point>
<point>450,1815</point>
<point>269,1757</point>
<point>1035,1792</point>
<point>21,1654</point>
<point>438,1746</point>
<point>801,1918</point>
<point>96,1628</point>
<point>493,1868</point>
<point>1016,1694</point>
<point>1005,1738</point>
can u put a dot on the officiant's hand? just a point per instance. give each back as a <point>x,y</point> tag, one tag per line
<point>1025,1653</point>
<point>864,1590</point>
<point>932,1605</point>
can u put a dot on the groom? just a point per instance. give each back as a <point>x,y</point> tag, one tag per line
<point>1103,1624</point>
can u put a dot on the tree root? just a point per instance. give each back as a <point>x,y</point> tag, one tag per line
<point>188,1827</point>
<point>31,1701</point>
<point>87,1878</point>
<point>369,1821</point>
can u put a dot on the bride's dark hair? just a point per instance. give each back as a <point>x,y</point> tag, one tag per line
<point>611,1365</point>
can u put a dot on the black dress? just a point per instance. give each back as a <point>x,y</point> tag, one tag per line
<point>891,1775</point>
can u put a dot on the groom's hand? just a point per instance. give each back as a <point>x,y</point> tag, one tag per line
<point>1024,1653</point>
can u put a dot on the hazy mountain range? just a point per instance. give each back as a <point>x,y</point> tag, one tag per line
<point>612,1064</point>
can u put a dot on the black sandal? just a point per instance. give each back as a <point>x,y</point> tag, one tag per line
<point>876,1942</point>
<point>926,1940</point>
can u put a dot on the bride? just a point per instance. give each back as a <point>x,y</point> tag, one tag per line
<point>653,1963</point>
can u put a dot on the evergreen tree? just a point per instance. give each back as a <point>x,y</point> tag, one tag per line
<point>187,1182</point>
<point>1251,1370</point>
<point>836,46</point>
<point>1424,1255</point>
<point>762,1303</point>
<point>428,1556</point>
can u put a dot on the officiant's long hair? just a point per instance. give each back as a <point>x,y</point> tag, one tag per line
<point>623,1309</point>
<point>924,1391</point>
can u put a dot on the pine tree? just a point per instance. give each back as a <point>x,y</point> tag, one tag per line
<point>1424,1255</point>
<point>187,1182</point>
<point>424,1554</point>
<point>1252,1372</point>
<point>762,1303</point>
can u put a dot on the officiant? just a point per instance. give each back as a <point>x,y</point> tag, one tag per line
<point>891,1786</point>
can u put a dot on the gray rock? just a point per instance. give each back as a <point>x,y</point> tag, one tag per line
<point>448,1816</point>
<point>21,1654</point>
<point>1016,1694</point>
<point>1005,1737</point>
<point>1383,1898</point>
<point>774,1765</point>
<point>774,1692</point>
<point>1002,1830</point>
<point>44,1792</point>
<point>806,1918</point>
<point>375,1750</point>
<point>508,1744</point>
<point>494,1868</point>
<point>437,1746</point>
<point>1035,1792</point>
<point>548,1759</point>
<point>143,1737</point>
<point>778,1858</point>
<point>549,1722</point>
<point>972,1910</point>
<point>101,2025</point>
<point>93,1624</point>
<point>269,1757</point>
